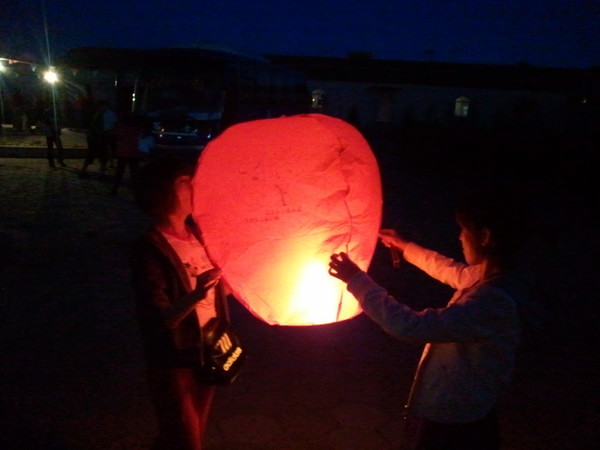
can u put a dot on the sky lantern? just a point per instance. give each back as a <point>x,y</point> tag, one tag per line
<point>274,199</point>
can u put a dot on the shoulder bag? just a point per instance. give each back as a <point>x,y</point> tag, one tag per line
<point>223,352</point>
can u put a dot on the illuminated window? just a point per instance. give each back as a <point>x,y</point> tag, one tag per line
<point>318,100</point>
<point>461,107</point>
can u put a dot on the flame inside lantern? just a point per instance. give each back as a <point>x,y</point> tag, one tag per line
<point>274,199</point>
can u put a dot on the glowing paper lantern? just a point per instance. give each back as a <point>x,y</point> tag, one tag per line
<point>274,199</point>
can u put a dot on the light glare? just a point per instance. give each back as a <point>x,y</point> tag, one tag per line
<point>313,286</point>
<point>50,76</point>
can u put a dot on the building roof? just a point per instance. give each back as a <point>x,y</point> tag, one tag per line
<point>365,69</point>
<point>126,58</point>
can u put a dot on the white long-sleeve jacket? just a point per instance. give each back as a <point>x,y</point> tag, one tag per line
<point>470,344</point>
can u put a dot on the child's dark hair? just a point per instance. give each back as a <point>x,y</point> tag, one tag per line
<point>154,185</point>
<point>505,213</point>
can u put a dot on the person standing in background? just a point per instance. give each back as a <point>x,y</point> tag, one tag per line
<point>109,121</point>
<point>128,134</point>
<point>96,141</point>
<point>52,130</point>
<point>147,141</point>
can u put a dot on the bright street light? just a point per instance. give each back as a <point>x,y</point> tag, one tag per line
<point>51,76</point>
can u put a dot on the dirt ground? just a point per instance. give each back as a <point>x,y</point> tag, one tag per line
<point>71,371</point>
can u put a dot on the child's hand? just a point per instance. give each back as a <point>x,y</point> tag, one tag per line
<point>205,281</point>
<point>342,267</point>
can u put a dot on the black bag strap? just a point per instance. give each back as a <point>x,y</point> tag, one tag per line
<point>221,302</point>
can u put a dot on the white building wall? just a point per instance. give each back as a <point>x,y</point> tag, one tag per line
<point>488,107</point>
<point>340,98</point>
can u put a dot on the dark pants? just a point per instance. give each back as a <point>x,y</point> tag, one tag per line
<point>51,142</point>
<point>122,163</point>
<point>97,149</point>
<point>182,403</point>
<point>423,434</point>
<point>111,146</point>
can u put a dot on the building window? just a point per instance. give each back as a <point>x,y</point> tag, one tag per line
<point>318,100</point>
<point>461,107</point>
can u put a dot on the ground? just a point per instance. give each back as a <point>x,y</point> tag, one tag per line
<point>72,369</point>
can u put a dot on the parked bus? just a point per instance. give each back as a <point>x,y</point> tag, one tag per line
<point>189,94</point>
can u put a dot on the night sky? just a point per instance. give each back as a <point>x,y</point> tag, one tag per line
<point>546,33</point>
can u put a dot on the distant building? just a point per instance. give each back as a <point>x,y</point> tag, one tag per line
<point>21,93</point>
<point>187,95</point>
<point>389,93</point>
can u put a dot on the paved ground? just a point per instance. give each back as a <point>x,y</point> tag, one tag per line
<point>71,372</point>
<point>33,145</point>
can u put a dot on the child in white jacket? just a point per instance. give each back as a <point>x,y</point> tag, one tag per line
<point>471,343</point>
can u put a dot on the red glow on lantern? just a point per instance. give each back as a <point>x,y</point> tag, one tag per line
<point>274,199</point>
